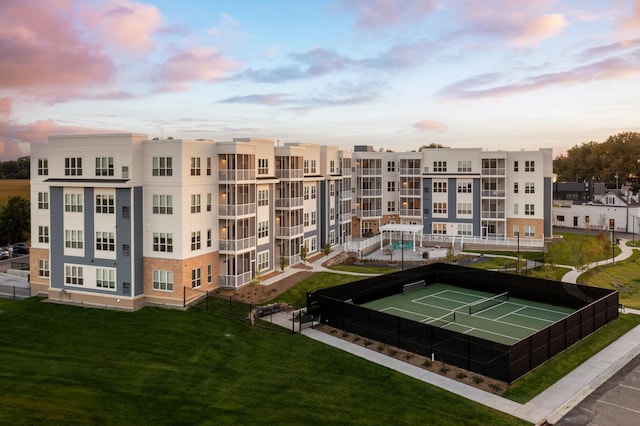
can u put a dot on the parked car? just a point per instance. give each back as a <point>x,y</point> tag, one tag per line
<point>21,248</point>
<point>4,253</point>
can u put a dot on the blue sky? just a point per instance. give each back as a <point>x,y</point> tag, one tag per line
<point>496,74</point>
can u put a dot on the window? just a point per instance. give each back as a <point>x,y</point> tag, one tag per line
<point>208,237</point>
<point>43,268</point>
<point>73,166</point>
<point>162,166</point>
<point>305,192</point>
<point>195,166</point>
<point>43,234</point>
<point>125,212</point>
<point>263,260</point>
<point>515,166</point>
<point>560,218</point>
<point>263,197</point>
<point>516,230</point>
<point>313,218</point>
<point>163,242</point>
<point>391,186</point>
<point>305,165</point>
<point>162,204</point>
<point>313,244</point>
<point>104,204</point>
<point>208,166</point>
<point>440,228</point>
<point>73,203</point>
<point>313,166</point>
<point>332,189</point>
<point>43,167</point>
<point>529,231</point>
<point>162,280</point>
<point>515,187</point>
<point>465,229</point>
<point>125,172</point>
<point>73,275</point>
<point>195,203</point>
<point>332,166</point>
<point>529,166</point>
<point>529,188</point>
<point>529,209</point>
<point>439,166</point>
<point>43,200</point>
<point>391,166</point>
<point>263,229</point>
<point>439,186</point>
<point>209,274</point>
<point>196,278</point>
<point>195,240</point>
<point>104,166</point>
<point>105,241</point>
<point>464,187</point>
<point>306,219</point>
<point>332,214</point>
<point>332,237</point>
<point>105,278</point>
<point>391,206</point>
<point>515,208</point>
<point>73,239</point>
<point>439,208</point>
<point>313,192</point>
<point>126,250</point>
<point>263,166</point>
<point>209,202</point>
<point>464,208</point>
<point>464,166</point>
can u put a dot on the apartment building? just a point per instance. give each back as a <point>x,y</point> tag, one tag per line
<point>462,192</point>
<point>123,220</point>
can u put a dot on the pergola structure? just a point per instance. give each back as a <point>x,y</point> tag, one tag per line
<point>402,228</point>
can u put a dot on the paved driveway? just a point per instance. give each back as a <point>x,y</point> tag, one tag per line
<point>616,402</point>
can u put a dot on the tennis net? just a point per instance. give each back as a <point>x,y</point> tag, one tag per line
<point>483,304</point>
<point>408,288</point>
<point>443,320</point>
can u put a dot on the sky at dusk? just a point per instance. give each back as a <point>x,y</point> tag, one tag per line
<point>395,74</point>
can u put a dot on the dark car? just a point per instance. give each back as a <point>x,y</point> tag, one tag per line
<point>21,248</point>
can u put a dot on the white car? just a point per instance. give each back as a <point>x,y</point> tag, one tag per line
<point>4,253</point>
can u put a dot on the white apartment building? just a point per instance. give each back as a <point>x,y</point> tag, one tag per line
<point>122,220</point>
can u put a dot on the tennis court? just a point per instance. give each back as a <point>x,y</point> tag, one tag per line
<point>499,318</point>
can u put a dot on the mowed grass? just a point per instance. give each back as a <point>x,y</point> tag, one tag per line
<point>71,365</point>
<point>296,296</point>
<point>11,187</point>
<point>564,252</point>
<point>623,276</point>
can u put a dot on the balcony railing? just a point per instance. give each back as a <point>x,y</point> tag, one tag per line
<point>410,191</point>
<point>236,175</point>
<point>494,193</point>
<point>493,215</point>
<point>371,213</point>
<point>292,260</point>
<point>490,171</point>
<point>289,202</point>
<point>345,195</point>
<point>411,212</point>
<point>289,231</point>
<point>345,217</point>
<point>289,174</point>
<point>237,245</point>
<point>370,171</point>
<point>234,280</point>
<point>371,192</point>
<point>237,210</point>
<point>410,172</point>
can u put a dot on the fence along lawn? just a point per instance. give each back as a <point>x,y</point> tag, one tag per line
<point>70,365</point>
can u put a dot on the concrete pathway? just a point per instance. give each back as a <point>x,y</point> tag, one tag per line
<point>573,274</point>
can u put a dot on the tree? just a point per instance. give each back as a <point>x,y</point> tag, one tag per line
<point>15,219</point>
<point>303,253</point>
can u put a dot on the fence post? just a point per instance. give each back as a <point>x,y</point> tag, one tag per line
<point>184,297</point>
<point>206,303</point>
<point>293,323</point>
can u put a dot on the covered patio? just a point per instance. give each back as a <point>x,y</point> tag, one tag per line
<point>393,229</point>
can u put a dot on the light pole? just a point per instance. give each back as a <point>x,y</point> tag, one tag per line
<point>518,261</point>
<point>402,250</point>
<point>616,176</point>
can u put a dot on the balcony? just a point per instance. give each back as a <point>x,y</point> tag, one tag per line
<point>371,213</point>
<point>234,280</point>
<point>237,210</point>
<point>289,203</point>
<point>410,172</point>
<point>371,193</point>
<point>411,212</point>
<point>345,195</point>
<point>292,260</point>
<point>236,175</point>
<point>289,174</point>
<point>289,231</point>
<point>498,171</point>
<point>494,193</point>
<point>411,192</point>
<point>493,215</point>
<point>371,171</point>
<point>345,217</point>
<point>237,245</point>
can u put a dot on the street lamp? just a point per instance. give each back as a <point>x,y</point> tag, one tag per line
<point>616,176</point>
<point>518,261</point>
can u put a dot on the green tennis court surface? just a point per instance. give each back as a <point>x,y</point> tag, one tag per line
<point>498,318</point>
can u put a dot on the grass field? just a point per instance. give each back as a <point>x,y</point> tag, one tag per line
<point>296,296</point>
<point>623,276</point>
<point>11,187</point>
<point>71,365</point>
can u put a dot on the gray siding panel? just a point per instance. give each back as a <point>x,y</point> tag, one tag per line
<point>56,224</point>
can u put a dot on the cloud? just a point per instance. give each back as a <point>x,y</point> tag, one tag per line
<point>194,64</point>
<point>488,86</point>
<point>5,107</point>
<point>374,15</point>
<point>612,48</point>
<point>632,23</point>
<point>266,99</point>
<point>430,126</point>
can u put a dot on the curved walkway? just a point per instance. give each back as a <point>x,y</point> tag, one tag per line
<point>573,274</point>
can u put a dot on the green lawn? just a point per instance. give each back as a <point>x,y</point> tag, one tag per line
<point>364,269</point>
<point>623,276</point>
<point>296,296</point>
<point>70,365</point>
<point>566,252</point>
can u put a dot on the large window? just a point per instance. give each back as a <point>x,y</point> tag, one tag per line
<point>195,166</point>
<point>465,229</point>
<point>391,186</point>
<point>464,166</point>
<point>263,197</point>
<point>439,208</point>
<point>73,166</point>
<point>391,206</point>
<point>195,203</point>
<point>439,186</point>
<point>73,239</point>
<point>196,240</point>
<point>43,200</point>
<point>162,280</point>
<point>208,166</point>
<point>515,187</point>
<point>263,166</point>
<point>43,268</point>
<point>163,242</point>
<point>439,166</point>
<point>391,166</point>
<point>73,203</point>
<point>73,275</point>
<point>314,219</point>
<point>196,277</point>
<point>43,234</point>
<point>440,228</point>
<point>464,208</point>
<point>529,231</point>
<point>104,166</point>
<point>313,192</point>
<point>529,166</point>
<point>208,237</point>
<point>464,187</point>
<point>529,209</point>
<point>263,229</point>
<point>305,192</point>
<point>306,219</point>
<point>163,204</point>
<point>106,278</point>
<point>529,188</point>
<point>105,204</point>
<point>263,260</point>
<point>162,166</point>
<point>105,241</point>
<point>43,167</point>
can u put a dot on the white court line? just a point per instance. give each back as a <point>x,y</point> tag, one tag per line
<point>510,313</point>
<point>487,331</point>
<point>630,387</point>
<point>408,312</point>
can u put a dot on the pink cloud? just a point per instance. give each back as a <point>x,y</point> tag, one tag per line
<point>632,23</point>
<point>5,107</point>
<point>128,24</point>
<point>430,126</point>
<point>381,14</point>
<point>195,64</point>
<point>40,49</point>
